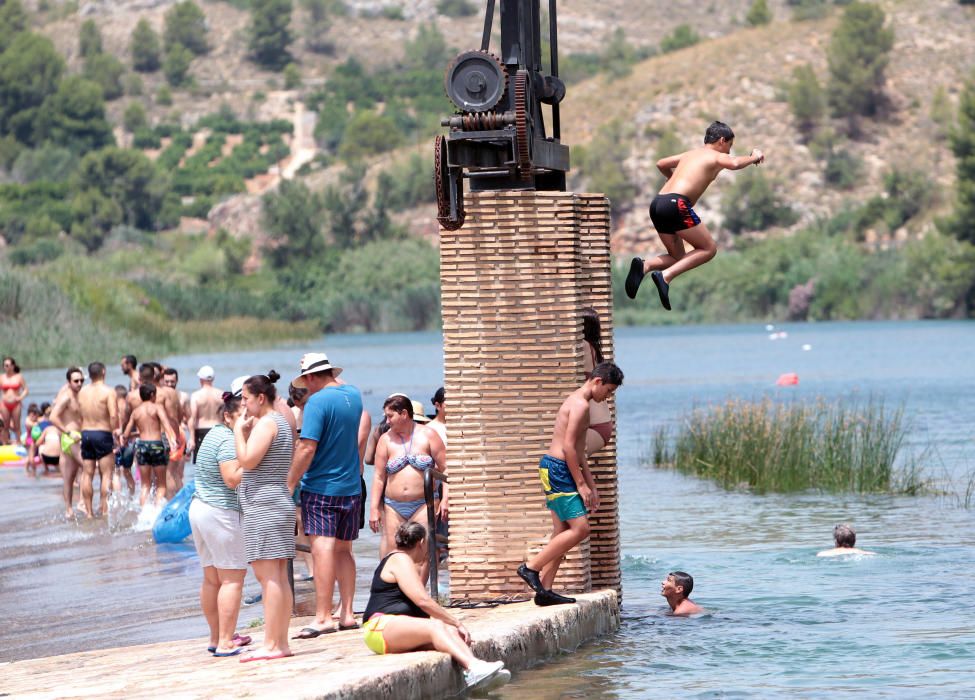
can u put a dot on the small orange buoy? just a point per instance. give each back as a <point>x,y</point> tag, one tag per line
<point>787,379</point>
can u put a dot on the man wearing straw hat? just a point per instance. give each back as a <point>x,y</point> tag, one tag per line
<point>326,464</point>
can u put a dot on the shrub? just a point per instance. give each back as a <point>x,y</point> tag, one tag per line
<point>74,116</point>
<point>317,26</point>
<point>144,48</point>
<point>843,169</point>
<point>767,446</point>
<point>908,194</point>
<point>408,183</point>
<point>803,10</point>
<point>30,71</point>
<point>752,205</point>
<point>858,54</point>
<point>619,55</point>
<point>133,85</point>
<point>758,13</point>
<point>134,117</point>
<point>682,37</point>
<point>39,251</point>
<point>13,21</point>
<point>89,39</point>
<point>164,96</point>
<point>144,138</point>
<point>806,98</point>
<point>176,65</point>
<point>393,12</point>
<point>456,8</point>
<point>186,26</point>
<point>107,71</point>
<point>292,77</point>
<point>49,163</point>
<point>368,133</point>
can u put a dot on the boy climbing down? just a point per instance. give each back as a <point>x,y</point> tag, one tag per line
<point>688,175</point>
<point>570,491</point>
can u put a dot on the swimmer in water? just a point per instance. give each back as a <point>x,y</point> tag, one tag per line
<point>844,537</point>
<point>688,175</point>
<point>676,588</point>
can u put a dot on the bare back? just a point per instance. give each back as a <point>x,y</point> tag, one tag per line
<point>98,407</point>
<point>207,404</point>
<point>147,420</point>
<point>572,419</point>
<point>168,399</point>
<point>695,171</point>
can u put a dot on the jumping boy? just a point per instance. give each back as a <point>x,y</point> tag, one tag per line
<point>151,453</point>
<point>676,588</point>
<point>688,175</point>
<point>570,492</point>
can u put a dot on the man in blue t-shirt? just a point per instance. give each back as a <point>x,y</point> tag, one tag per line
<point>326,464</point>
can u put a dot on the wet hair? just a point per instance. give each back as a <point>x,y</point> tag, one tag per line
<point>263,384</point>
<point>147,391</point>
<point>717,131</point>
<point>609,373</point>
<point>439,396</point>
<point>684,580</point>
<point>399,403</point>
<point>844,535</point>
<point>409,534</point>
<point>14,363</point>
<point>147,375</point>
<point>72,370</point>
<point>231,402</point>
<point>171,371</point>
<point>96,370</point>
<point>592,331</point>
<point>296,394</point>
<point>121,390</point>
<point>130,359</point>
<point>33,408</point>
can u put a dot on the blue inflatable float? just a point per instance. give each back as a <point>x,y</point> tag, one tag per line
<point>173,522</point>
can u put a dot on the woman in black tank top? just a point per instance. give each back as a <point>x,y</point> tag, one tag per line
<point>401,616</point>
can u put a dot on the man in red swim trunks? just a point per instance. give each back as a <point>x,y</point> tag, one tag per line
<point>688,175</point>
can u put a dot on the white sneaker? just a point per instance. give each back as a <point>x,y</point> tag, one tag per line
<point>499,679</point>
<point>481,673</point>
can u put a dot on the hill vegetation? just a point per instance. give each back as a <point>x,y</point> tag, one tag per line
<point>223,164</point>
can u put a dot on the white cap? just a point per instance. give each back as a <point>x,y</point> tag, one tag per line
<point>311,363</point>
<point>206,372</point>
<point>237,385</point>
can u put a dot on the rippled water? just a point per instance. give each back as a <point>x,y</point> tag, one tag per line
<point>780,620</point>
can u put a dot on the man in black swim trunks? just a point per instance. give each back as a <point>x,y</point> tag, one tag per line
<point>99,430</point>
<point>688,175</point>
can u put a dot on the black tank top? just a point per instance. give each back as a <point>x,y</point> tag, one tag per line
<point>388,598</point>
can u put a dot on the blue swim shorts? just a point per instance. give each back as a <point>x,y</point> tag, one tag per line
<point>561,495</point>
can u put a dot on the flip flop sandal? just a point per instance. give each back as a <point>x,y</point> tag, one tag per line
<point>353,626</point>
<point>232,652</point>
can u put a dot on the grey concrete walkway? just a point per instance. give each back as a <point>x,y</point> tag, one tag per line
<point>334,666</point>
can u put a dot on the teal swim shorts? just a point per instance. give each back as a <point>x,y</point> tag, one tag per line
<point>561,495</point>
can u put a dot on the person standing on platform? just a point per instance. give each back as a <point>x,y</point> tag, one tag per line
<point>570,491</point>
<point>327,466</point>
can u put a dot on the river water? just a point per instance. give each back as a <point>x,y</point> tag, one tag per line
<point>780,621</point>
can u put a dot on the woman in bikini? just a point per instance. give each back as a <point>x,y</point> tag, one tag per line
<point>14,390</point>
<point>407,451</point>
<point>600,417</point>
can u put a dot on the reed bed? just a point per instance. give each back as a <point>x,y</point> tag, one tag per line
<point>774,447</point>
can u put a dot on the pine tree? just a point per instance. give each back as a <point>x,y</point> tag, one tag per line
<point>858,53</point>
<point>13,20</point>
<point>806,99</point>
<point>186,25</point>
<point>758,13</point>
<point>269,32</point>
<point>963,145</point>
<point>89,39</point>
<point>144,47</point>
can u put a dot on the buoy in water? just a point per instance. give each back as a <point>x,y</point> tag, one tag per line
<point>787,379</point>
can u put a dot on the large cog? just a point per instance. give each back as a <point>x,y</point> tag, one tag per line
<point>476,81</point>
<point>523,125</point>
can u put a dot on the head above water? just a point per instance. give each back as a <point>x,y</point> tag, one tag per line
<point>844,536</point>
<point>682,581</point>
<point>717,131</point>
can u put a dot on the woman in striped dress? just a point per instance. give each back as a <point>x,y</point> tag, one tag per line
<point>264,448</point>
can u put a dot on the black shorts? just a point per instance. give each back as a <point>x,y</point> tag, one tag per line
<point>198,436</point>
<point>672,212</point>
<point>50,461</point>
<point>95,444</point>
<point>125,456</point>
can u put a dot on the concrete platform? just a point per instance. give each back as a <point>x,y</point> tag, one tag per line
<point>335,666</point>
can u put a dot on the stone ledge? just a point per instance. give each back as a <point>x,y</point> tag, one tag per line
<point>336,666</point>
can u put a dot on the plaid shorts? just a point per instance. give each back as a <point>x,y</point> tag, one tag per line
<point>331,516</point>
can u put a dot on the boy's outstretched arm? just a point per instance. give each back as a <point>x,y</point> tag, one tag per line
<point>666,165</point>
<point>738,162</point>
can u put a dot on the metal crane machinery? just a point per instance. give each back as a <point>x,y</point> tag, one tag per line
<point>497,137</point>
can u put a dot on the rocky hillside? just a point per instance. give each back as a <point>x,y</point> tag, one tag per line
<point>736,73</point>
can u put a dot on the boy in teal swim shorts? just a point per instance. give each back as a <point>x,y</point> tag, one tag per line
<point>570,492</point>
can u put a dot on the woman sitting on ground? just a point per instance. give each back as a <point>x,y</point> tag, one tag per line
<point>403,454</point>
<point>218,531</point>
<point>600,417</point>
<point>265,443</point>
<point>398,615</point>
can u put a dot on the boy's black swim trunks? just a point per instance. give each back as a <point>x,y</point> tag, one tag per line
<point>672,212</point>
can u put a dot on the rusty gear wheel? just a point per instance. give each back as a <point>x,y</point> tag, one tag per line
<point>523,125</point>
<point>476,81</point>
<point>441,182</point>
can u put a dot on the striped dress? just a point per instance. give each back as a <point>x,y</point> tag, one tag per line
<point>269,512</point>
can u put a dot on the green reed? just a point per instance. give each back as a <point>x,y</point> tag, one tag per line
<point>768,446</point>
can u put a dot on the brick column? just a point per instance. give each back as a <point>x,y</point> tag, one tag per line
<point>513,281</point>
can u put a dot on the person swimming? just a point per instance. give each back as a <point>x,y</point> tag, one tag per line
<point>676,588</point>
<point>845,539</point>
